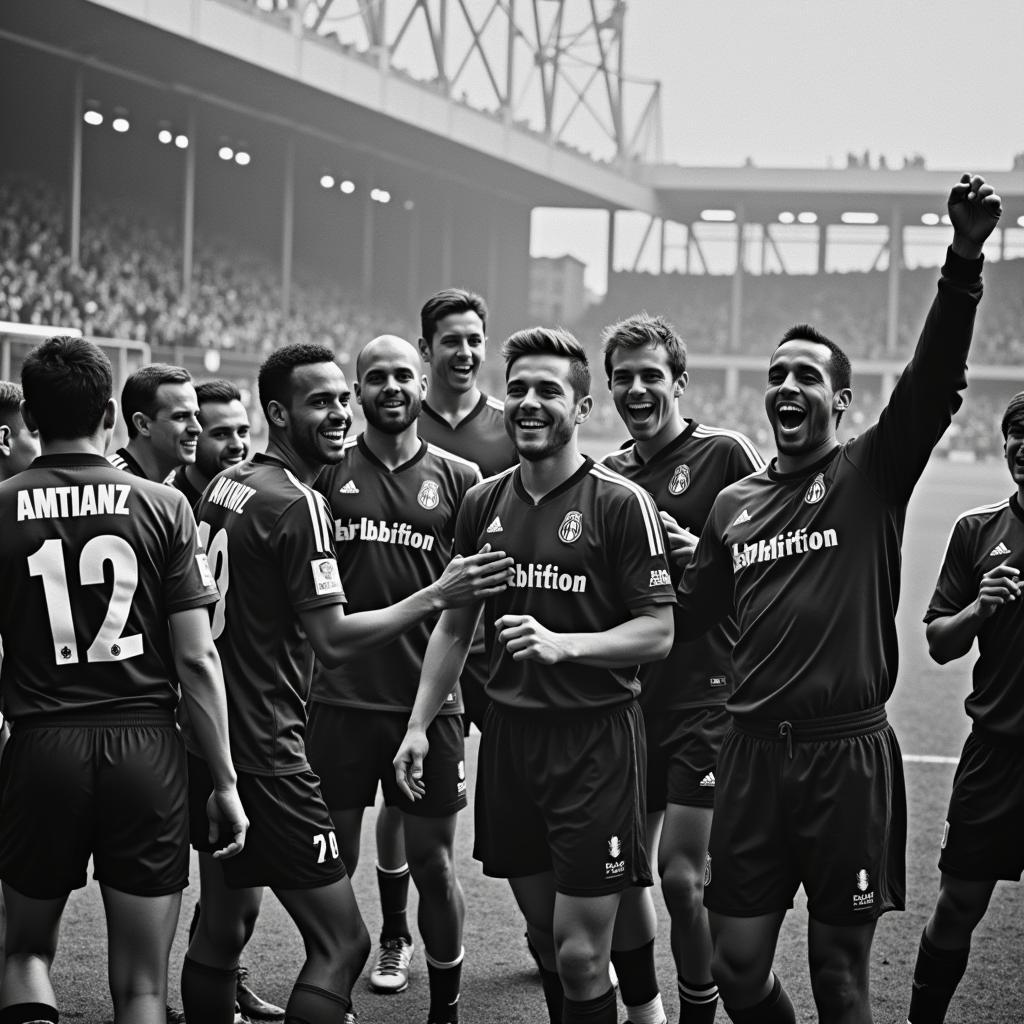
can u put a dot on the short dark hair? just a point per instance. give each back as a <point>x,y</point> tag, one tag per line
<point>217,390</point>
<point>10,401</point>
<point>550,341</point>
<point>275,378</point>
<point>1014,415</point>
<point>446,302</point>
<point>67,383</point>
<point>839,369</point>
<point>640,331</point>
<point>139,391</point>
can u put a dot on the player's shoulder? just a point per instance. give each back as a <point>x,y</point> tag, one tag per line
<point>614,485</point>
<point>454,463</point>
<point>723,437</point>
<point>620,458</point>
<point>981,514</point>
<point>491,484</point>
<point>494,405</point>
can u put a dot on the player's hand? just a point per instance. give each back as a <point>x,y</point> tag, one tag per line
<point>974,209</point>
<point>998,587</point>
<point>227,815</point>
<point>681,543</point>
<point>408,764</point>
<point>527,640</point>
<point>469,578</point>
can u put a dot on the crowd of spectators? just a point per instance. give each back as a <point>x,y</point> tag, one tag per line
<point>128,285</point>
<point>128,282</point>
<point>849,307</point>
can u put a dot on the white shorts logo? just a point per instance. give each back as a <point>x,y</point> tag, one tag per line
<point>325,576</point>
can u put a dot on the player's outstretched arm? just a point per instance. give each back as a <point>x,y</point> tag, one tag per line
<point>466,579</point>
<point>647,636</point>
<point>202,689</point>
<point>951,636</point>
<point>443,662</point>
<point>974,208</point>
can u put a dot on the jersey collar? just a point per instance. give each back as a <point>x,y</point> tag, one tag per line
<point>802,474</point>
<point>667,450</point>
<point>1015,507</point>
<point>565,485</point>
<point>472,414</point>
<point>74,459</point>
<point>364,450</point>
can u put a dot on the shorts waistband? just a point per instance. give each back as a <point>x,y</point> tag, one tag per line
<point>812,730</point>
<point>551,716</point>
<point>98,720</point>
<point>998,739</point>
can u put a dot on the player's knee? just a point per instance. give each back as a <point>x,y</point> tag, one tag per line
<point>838,986</point>
<point>683,886</point>
<point>738,976</point>
<point>433,871</point>
<point>954,910</point>
<point>580,963</point>
<point>228,933</point>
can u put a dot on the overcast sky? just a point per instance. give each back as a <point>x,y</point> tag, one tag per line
<point>803,82</point>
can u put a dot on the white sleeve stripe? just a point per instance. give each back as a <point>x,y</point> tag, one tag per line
<point>756,459</point>
<point>981,510</point>
<point>314,512</point>
<point>495,403</point>
<point>650,513</point>
<point>443,453</point>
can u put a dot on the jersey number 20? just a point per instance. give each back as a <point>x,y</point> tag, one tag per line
<point>109,643</point>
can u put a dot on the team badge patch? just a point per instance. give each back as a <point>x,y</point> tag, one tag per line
<point>325,576</point>
<point>429,496</point>
<point>571,528</point>
<point>680,480</point>
<point>816,491</point>
<point>203,564</point>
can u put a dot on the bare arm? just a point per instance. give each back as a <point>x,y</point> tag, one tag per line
<point>951,636</point>
<point>202,689</point>
<point>442,665</point>
<point>647,636</point>
<point>470,579</point>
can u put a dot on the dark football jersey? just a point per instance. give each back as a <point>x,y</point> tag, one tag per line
<point>123,459</point>
<point>684,478</point>
<point>93,563</point>
<point>983,538</point>
<point>479,436</point>
<point>182,483</point>
<point>269,539</point>
<point>394,531</point>
<point>810,562</point>
<point>586,555</point>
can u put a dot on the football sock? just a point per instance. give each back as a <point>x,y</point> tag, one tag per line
<point>28,1013</point>
<point>697,1003</point>
<point>775,1008</point>
<point>638,984</point>
<point>311,1005</point>
<point>554,994</point>
<point>445,982</point>
<point>207,993</point>
<point>394,895</point>
<point>936,976</point>
<point>602,1010</point>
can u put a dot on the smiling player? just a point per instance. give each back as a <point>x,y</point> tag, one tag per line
<point>684,465</point>
<point>161,414</point>
<point>806,554</point>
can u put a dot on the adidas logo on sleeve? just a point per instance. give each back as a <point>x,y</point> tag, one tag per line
<point>495,526</point>
<point>999,550</point>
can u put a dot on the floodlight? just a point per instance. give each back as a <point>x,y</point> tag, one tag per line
<point>786,217</point>
<point>719,216</point>
<point>181,141</point>
<point>242,157</point>
<point>807,217</point>
<point>348,187</point>
<point>165,136</point>
<point>858,217</point>
<point>327,181</point>
<point>92,113</point>
<point>1020,222</point>
<point>931,219</point>
<point>408,205</point>
<point>225,152</point>
<point>120,122</point>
